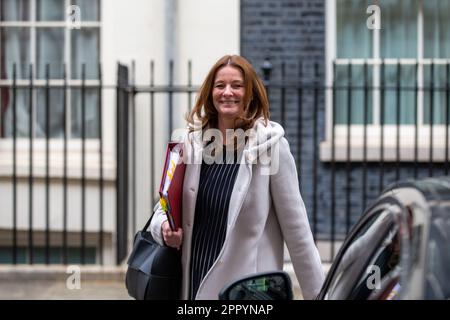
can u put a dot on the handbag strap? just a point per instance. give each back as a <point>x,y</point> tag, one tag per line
<point>148,222</point>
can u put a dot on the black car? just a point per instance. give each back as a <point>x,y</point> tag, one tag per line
<point>399,249</point>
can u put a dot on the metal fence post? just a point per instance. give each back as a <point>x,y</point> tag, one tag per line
<point>122,163</point>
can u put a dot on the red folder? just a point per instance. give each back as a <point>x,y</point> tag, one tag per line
<point>175,190</point>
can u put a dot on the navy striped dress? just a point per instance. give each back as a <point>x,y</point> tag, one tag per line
<point>211,215</point>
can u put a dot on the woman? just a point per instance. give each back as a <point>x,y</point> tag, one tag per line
<point>240,208</point>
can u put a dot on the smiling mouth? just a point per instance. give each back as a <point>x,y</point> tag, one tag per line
<point>229,101</point>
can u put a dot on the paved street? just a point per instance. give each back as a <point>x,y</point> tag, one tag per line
<point>95,283</point>
<point>57,290</point>
<point>40,282</point>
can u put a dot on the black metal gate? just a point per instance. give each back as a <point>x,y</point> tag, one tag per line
<point>299,105</point>
<point>122,99</point>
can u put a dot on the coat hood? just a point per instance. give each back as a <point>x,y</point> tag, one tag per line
<point>262,143</point>
<point>263,138</point>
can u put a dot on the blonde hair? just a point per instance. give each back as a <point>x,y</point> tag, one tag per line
<point>256,102</point>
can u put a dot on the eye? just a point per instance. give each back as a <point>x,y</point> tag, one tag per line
<point>219,86</point>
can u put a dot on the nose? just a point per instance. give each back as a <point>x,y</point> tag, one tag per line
<point>227,91</point>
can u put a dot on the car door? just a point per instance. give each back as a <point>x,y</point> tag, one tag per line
<point>367,265</point>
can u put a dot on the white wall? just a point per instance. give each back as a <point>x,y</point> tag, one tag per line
<point>141,30</point>
<point>208,30</point>
<point>198,30</point>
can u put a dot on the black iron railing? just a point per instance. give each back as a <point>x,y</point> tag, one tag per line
<point>337,189</point>
<point>47,245</point>
<point>336,184</point>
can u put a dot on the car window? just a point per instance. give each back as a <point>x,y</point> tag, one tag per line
<point>382,277</point>
<point>370,245</point>
<point>437,277</point>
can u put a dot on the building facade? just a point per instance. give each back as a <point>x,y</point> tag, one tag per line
<point>43,208</point>
<point>361,88</point>
<point>394,129</point>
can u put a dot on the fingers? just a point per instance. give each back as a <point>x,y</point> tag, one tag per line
<point>176,238</point>
<point>172,238</point>
<point>178,233</point>
<point>165,227</point>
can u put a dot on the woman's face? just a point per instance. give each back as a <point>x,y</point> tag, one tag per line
<point>228,92</point>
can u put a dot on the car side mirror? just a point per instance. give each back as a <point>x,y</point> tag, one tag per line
<point>261,286</point>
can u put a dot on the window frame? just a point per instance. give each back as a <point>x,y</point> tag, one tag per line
<point>92,145</point>
<point>386,206</point>
<point>406,131</point>
<point>33,25</point>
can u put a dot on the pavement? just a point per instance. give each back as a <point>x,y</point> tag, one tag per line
<point>40,282</point>
<point>57,290</point>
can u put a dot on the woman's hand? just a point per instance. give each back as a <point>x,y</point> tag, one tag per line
<point>172,238</point>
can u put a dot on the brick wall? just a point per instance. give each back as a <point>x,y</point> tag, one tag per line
<point>291,32</point>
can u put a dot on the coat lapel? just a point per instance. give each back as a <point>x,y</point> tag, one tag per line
<point>191,177</point>
<point>191,184</point>
<point>190,189</point>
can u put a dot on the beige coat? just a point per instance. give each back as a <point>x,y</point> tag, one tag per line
<point>264,209</point>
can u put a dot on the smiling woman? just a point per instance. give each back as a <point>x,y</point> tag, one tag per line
<point>236,214</point>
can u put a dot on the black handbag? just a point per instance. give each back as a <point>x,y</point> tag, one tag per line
<point>154,271</point>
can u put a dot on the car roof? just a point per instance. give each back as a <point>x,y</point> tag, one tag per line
<point>436,191</point>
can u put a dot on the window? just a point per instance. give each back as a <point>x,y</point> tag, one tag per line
<point>374,247</point>
<point>411,30</point>
<point>384,265</point>
<point>55,255</point>
<point>412,47</point>
<point>437,280</point>
<point>34,36</point>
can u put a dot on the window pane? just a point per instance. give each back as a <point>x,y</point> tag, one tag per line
<point>55,255</point>
<point>6,255</point>
<point>406,102</point>
<point>50,49</point>
<point>436,23</point>
<point>15,48</point>
<point>22,112</point>
<point>439,95</point>
<point>398,34</point>
<point>353,38</point>
<point>342,93</point>
<point>50,10</point>
<point>91,113</point>
<point>14,10</point>
<point>437,276</point>
<point>385,261</point>
<point>89,9</point>
<point>56,113</point>
<point>85,49</point>
<point>357,94</point>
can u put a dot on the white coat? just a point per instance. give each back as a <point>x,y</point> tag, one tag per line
<point>265,210</point>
